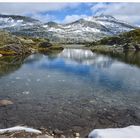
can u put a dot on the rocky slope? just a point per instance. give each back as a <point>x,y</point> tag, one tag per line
<point>17,45</point>
<point>80,31</point>
<point>126,41</point>
<point>11,45</point>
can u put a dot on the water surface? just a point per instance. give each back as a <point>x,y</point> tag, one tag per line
<point>73,90</point>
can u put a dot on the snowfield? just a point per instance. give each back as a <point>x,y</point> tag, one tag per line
<point>20,128</point>
<point>126,132</point>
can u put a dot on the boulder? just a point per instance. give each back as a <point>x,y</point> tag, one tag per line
<point>45,45</point>
<point>126,132</point>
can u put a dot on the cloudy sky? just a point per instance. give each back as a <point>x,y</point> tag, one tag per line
<point>68,12</point>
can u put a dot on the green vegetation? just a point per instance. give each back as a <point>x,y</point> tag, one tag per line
<point>126,41</point>
<point>13,45</point>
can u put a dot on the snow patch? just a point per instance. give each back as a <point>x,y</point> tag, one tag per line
<point>20,128</point>
<point>126,132</point>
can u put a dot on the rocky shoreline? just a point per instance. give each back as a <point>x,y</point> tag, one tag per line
<point>18,45</point>
<point>26,132</point>
<point>131,131</point>
<point>101,118</point>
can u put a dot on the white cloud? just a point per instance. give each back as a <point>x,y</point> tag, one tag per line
<point>129,12</point>
<point>25,8</point>
<point>44,18</point>
<point>72,18</point>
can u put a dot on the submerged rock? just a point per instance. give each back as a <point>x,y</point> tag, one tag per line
<point>5,102</point>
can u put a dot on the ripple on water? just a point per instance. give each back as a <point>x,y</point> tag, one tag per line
<point>72,88</point>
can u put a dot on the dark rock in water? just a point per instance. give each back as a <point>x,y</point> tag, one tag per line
<point>5,102</point>
<point>45,45</point>
<point>137,46</point>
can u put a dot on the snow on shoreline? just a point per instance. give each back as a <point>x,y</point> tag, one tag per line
<point>126,132</point>
<point>20,128</point>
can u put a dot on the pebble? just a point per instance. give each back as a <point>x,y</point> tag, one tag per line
<point>105,109</point>
<point>56,131</point>
<point>29,80</point>
<point>5,102</point>
<point>26,92</point>
<point>27,84</point>
<point>37,80</point>
<point>92,101</point>
<point>77,135</point>
<point>17,78</point>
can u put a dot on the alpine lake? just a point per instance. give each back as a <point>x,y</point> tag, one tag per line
<point>73,90</point>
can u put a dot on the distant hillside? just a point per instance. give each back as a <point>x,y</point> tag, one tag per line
<point>17,45</point>
<point>80,31</point>
<point>10,44</point>
<point>127,40</point>
<point>18,17</point>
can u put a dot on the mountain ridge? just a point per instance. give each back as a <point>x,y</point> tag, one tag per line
<point>80,31</point>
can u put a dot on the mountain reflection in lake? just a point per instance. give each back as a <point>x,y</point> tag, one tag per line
<point>74,89</point>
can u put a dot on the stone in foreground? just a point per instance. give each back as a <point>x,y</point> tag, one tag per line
<point>126,132</point>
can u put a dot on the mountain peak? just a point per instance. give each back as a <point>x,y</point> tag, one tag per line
<point>102,16</point>
<point>80,31</point>
<point>51,23</point>
<point>18,17</point>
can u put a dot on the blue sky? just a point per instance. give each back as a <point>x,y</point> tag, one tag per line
<point>68,12</point>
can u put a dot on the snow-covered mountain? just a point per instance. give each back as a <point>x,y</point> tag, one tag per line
<point>16,21</point>
<point>80,31</point>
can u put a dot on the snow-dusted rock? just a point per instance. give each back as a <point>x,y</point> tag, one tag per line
<point>20,128</point>
<point>126,132</point>
<point>80,31</point>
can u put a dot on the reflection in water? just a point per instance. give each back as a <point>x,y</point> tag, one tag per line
<point>85,57</point>
<point>76,54</point>
<point>73,88</point>
<point>130,57</point>
<point>10,64</point>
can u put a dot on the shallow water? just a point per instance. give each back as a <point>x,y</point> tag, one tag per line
<point>73,90</point>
